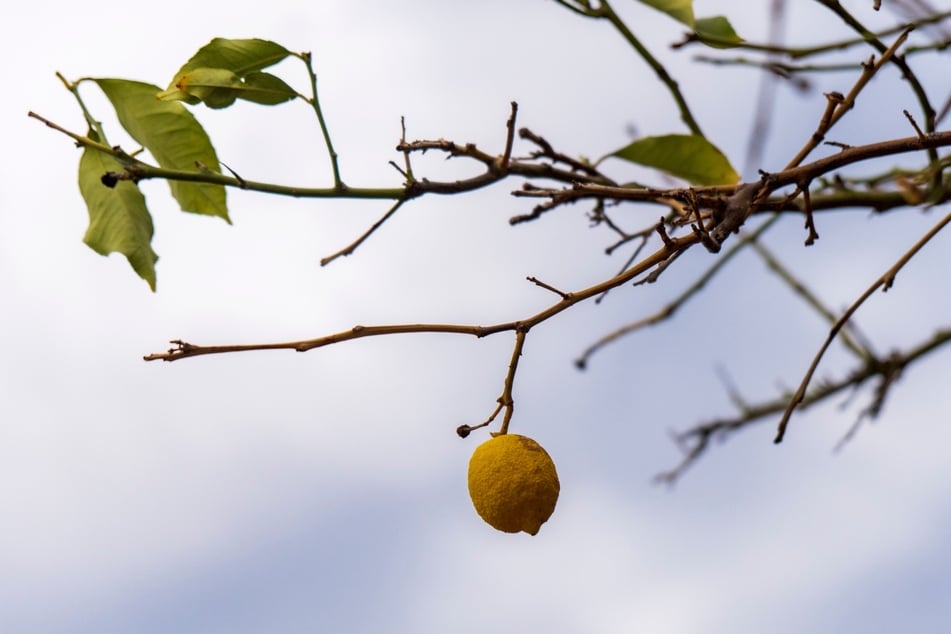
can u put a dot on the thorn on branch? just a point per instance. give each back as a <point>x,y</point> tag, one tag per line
<point>810,221</point>
<point>841,146</point>
<point>548,287</point>
<point>914,124</point>
<point>400,170</point>
<point>652,277</point>
<point>241,182</point>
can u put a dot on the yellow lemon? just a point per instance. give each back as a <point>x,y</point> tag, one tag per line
<point>513,483</point>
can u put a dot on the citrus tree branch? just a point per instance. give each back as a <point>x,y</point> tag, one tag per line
<point>695,441</point>
<point>668,311</point>
<point>606,12</point>
<point>314,101</point>
<point>884,282</point>
<point>927,109</point>
<point>795,52</point>
<point>837,105</point>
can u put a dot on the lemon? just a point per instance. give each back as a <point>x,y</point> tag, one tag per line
<point>513,483</point>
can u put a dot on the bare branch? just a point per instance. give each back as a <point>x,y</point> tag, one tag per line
<point>350,248</point>
<point>668,311</point>
<point>696,440</point>
<point>884,282</point>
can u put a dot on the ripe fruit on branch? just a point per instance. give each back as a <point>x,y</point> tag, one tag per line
<point>513,483</point>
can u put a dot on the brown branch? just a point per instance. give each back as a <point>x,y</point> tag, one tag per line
<point>914,124</point>
<point>697,440</point>
<point>350,248</point>
<point>810,221</point>
<point>547,151</point>
<point>884,282</point>
<point>182,349</point>
<point>859,348</point>
<point>548,287</point>
<point>668,311</point>
<point>837,105</point>
<point>709,197</point>
<point>506,399</point>
<point>927,109</point>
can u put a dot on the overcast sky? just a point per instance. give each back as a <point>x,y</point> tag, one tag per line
<point>326,492</point>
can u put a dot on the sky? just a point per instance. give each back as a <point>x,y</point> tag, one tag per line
<point>326,492</point>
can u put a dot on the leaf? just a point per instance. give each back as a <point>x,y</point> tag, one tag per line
<point>173,136</point>
<point>119,221</point>
<point>218,87</point>
<point>680,10</point>
<point>214,86</point>
<point>267,89</point>
<point>716,32</point>
<point>241,57</point>
<point>687,156</point>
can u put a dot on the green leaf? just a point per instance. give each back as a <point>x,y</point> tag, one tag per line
<point>119,221</point>
<point>241,57</point>
<point>680,10</point>
<point>266,89</point>
<point>716,32</point>
<point>687,156</point>
<point>214,86</point>
<point>218,87</point>
<point>173,136</point>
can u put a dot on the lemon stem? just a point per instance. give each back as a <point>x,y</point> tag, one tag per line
<point>506,400</point>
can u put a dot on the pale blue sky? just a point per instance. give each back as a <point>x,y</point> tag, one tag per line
<point>325,492</point>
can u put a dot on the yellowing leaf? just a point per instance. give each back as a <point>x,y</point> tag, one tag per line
<point>173,136</point>
<point>119,221</point>
<point>680,10</point>
<point>687,156</point>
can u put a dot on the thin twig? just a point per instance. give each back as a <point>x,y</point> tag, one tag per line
<point>914,124</point>
<point>314,101</point>
<point>548,287</point>
<point>605,11</point>
<point>350,248</point>
<point>696,440</point>
<point>860,349</point>
<point>668,311</point>
<point>884,282</point>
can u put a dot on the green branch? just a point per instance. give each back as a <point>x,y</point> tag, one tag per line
<point>604,11</point>
<point>314,101</point>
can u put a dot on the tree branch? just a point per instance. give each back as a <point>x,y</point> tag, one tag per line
<point>884,282</point>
